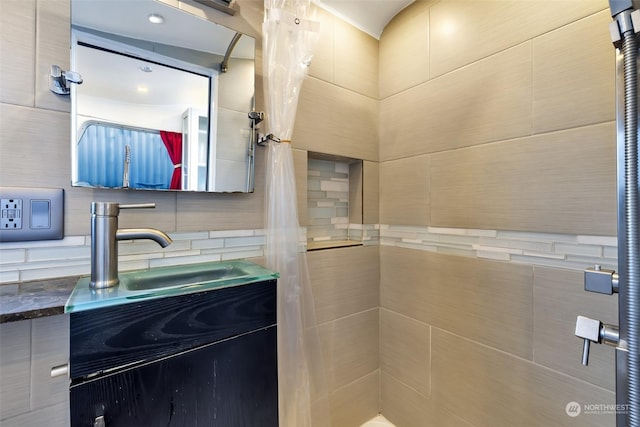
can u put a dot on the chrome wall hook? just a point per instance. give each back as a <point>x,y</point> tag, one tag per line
<point>268,138</point>
<point>59,80</point>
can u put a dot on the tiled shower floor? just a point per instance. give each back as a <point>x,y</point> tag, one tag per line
<point>378,421</point>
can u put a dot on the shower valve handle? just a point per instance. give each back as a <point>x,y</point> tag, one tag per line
<point>591,330</point>
<point>588,330</point>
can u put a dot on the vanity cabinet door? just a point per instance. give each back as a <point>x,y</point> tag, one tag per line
<point>232,383</point>
<point>110,337</point>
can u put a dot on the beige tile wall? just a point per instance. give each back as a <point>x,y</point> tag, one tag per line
<point>15,354</point>
<point>544,183</point>
<point>488,341</point>
<point>30,348</point>
<point>345,56</point>
<point>17,52</point>
<point>346,284</point>
<point>462,32</point>
<point>338,108</point>
<point>574,86</point>
<point>405,350</point>
<point>404,191</point>
<point>488,387</point>
<point>402,69</point>
<point>52,39</point>
<point>356,197</point>
<point>335,120</point>
<point>448,291</point>
<point>487,101</point>
<point>350,347</point>
<point>355,403</point>
<point>300,164</point>
<point>556,74</point>
<point>500,128</point>
<point>356,60</point>
<point>370,193</point>
<point>323,63</point>
<point>345,281</point>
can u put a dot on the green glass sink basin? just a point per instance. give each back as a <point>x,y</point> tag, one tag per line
<point>164,282</point>
<point>152,279</point>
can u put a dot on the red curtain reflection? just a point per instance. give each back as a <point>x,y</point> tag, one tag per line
<point>173,142</point>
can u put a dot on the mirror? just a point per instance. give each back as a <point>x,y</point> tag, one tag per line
<point>162,106</point>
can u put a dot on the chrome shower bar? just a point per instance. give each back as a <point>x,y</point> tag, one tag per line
<point>625,337</point>
<point>626,23</point>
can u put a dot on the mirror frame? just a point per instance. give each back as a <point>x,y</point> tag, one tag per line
<point>80,35</point>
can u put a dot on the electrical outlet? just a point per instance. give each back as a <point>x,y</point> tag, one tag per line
<point>11,218</point>
<point>31,214</point>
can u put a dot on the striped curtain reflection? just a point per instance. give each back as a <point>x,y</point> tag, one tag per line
<point>101,157</point>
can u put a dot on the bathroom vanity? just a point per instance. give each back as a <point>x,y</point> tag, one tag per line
<point>181,355</point>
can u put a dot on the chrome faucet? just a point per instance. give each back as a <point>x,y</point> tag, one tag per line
<point>104,237</point>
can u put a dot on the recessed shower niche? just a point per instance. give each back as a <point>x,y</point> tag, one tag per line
<point>334,201</point>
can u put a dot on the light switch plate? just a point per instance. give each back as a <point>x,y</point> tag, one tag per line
<point>31,214</point>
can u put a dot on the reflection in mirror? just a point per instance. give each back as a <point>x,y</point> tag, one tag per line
<point>160,109</point>
<point>112,164</point>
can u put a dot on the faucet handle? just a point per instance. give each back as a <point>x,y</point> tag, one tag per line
<point>113,208</point>
<point>139,206</point>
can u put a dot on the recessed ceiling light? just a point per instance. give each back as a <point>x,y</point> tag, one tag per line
<point>155,18</point>
<point>142,89</point>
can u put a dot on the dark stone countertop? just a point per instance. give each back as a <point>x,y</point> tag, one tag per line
<point>38,298</point>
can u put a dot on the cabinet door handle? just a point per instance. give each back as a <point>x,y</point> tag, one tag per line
<point>58,371</point>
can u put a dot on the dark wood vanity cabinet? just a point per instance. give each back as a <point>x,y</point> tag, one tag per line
<point>202,359</point>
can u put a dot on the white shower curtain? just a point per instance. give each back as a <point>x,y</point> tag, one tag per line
<point>288,38</point>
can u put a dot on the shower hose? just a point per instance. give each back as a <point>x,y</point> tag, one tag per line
<point>632,244</point>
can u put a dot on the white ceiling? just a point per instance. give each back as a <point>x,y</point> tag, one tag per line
<point>128,18</point>
<point>121,16</point>
<point>370,16</point>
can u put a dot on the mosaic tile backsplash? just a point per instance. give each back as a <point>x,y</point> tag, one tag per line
<point>545,249</point>
<point>21,261</point>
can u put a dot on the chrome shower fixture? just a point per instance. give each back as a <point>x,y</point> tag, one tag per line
<point>256,116</point>
<point>59,80</point>
<point>224,65</point>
